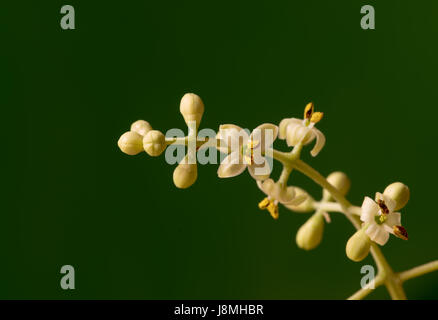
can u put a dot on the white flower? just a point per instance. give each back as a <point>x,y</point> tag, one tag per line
<point>303,130</point>
<point>245,151</point>
<point>380,220</point>
<point>278,193</point>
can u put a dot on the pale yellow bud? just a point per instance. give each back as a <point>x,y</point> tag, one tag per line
<point>305,206</point>
<point>141,127</point>
<point>358,246</point>
<point>340,181</point>
<point>131,143</point>
<point>154,143</point>
<point>185,174</point>
<point>399,192</point>
<point>309,236</point>
<point>192,108</point>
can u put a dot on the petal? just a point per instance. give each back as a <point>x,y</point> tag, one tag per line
<point>260,171</point>
<point>369,210</point>
<point>377,234</point>
<point>231,166</point>
<point>266,134</point>
<point>266,186</point>
<point>320,142</point>
<point>232,137</point>
<point>284,124</point>
<point>296,133</point>
<point>286,195</point>
<point>297,199</point>
<point>393,219</point>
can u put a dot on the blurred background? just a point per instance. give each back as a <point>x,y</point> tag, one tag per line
<point>70,196</point>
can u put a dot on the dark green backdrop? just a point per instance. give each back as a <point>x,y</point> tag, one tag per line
<point>71,197</point>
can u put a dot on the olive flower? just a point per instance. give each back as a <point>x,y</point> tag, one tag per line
<point>303,131</point>
<point>380,219</point>
<point>277,193</point>
<point>245,151</point>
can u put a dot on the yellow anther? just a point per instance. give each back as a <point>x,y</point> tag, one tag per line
<point>310,115</point>
<point>308,111</point>
<point>400,232</point>
<point>273,210</point>
<point>264,203</point>
<point>316,117</point>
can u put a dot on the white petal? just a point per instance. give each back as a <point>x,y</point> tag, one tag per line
<point>377,234</point>
<point>260,171</point>
<point>320,142</point>
<point>297,132</point>
<point>231,166</point>
<point>284,124</point>
<point>266,186</point>
<point>232,137</point>
<point>265,134</point>
<point>297,199</point>
<point>369,210</point>
<point>287,195</point>
<point>393,219</point>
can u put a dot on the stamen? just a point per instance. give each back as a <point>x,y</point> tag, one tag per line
<point>264,203</point>
<point>316,117</point>
<point>308,111</point>
<point>400,232</point>
<point>273,210</point>
<point>383,206</point>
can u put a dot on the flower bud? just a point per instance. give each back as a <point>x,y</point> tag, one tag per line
<point>358,246</point>
<point>131,143</point>
<point>399,192</point>
<point>340,181</point>
<point>305,206</point>
<point>141,127</point>
<point>192,108</point>
<point>309,236</point>
<point>185,174</point>
<point>154,143</point>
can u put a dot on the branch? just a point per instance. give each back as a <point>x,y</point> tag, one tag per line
<point>419,271</point>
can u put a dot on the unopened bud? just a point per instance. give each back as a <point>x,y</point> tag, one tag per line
<point>131,143</point>
<point>154,143</point>
<point>358,246</point>
<point>185,174</point>
<point>309,236</point>
<point>141,127</point>
<point>305,206</point>
<point>399,192</point>
<point>192,108</point>
<point>340,181</point>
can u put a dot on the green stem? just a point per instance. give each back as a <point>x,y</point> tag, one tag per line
<point>362,293</point>
<point>418,271</point>
<point>336,207</point>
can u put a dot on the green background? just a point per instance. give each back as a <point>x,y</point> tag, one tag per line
<point>71,197</point>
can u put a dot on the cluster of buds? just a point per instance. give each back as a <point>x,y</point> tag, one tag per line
<point>253,151</point>
<point>142,137</point>
<point>309,236</point>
